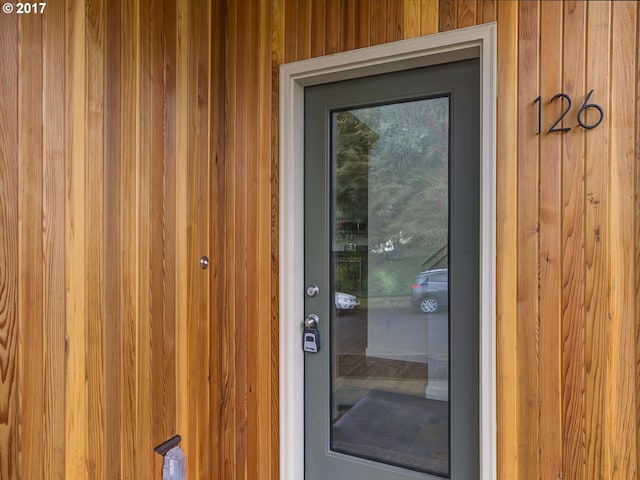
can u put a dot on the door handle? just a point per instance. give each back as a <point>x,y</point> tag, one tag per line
<point>311,321</point>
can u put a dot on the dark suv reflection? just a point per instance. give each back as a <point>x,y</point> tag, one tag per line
<point>431,290</point>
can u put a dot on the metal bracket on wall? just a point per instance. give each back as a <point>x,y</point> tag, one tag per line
<point>167,445</point>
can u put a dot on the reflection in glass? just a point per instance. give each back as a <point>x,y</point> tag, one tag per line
<point>390,327</point>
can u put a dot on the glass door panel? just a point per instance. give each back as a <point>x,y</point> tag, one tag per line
<point>389,271</point>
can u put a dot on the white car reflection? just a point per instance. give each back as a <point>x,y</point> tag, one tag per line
<point>346,301</point>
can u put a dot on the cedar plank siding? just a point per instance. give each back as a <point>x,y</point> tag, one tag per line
<point>137,136</point>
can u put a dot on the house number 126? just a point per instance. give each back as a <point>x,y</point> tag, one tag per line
<point>582,120</point>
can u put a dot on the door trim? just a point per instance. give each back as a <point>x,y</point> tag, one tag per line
<point>474,42</point>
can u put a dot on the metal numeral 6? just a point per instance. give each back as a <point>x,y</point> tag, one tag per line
<point>583,109</point>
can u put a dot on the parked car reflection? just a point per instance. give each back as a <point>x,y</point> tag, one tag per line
<point>431,290</point>
<point>346,301</point>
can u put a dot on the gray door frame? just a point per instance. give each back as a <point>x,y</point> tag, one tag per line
<point>475,42</point>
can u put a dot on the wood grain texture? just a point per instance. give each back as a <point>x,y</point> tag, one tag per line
<point>411,18</point>
<point>597,273</point>
<point>622,400</point>
<point>216,243</point>
<point>573,268</point>
<point>53,157</point>
<point>637,244</point>
<point>243,217</point>
<point>550,249</point>
<point>347,30</point>
<point>30,249</point>
<point>112,242</point>
<point>198,240</point>
<point>265,413</point>
<point>429,16</point>
<point>363,23</point>
<point>318,28</point>
<point>466,13</point>
<point>169,257</point>
<point>227,379</point>
<point>138,137</point>
<point>75,266</point>
<point>181,205</point>
<point>528,348</point>
<point>294,35</point>
<point>507,243</point>
<point>97,327</point>
<point>395,20</point>
<point>487,11</point>
<point>447,15</point>
<point>9,381</point>
<point>274,229</point>
<point>303,19</point>
<point>378,22</point>
<point>129,222</point>
<point>332,26</point>
<point>252,317</point>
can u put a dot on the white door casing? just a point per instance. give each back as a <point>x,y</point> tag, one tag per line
<point>474,42</point>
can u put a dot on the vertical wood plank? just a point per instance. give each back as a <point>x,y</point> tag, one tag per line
<point>113,240</point>
<point>597,272</point>
<point>447,15</point>
<point>199,226</point>
<point>429,16</point>
<point>278,21</point>
<point>348,25</point>
<point>53,239</point>
<point>76,401</point>
<point>363,23</point>
<point>395,22</point>
<point>332,26</point>
<point>466,13</point>
<point>292,32</point>
<point>181,239</point>
<point>487,11</point>
<point>573,270</point>
<point>411,18</point>
<point>9,384</point>
<point>637,246</point>
<point>622,402</point>
<point>96,323</point>
<point>197,241</point>
<point>30,249</point>
<point>267,416</point>
<point>169,220</point>
<point>274,334</point>
<point>550,263</point>
<point>228,380</point>
<point>216,227</point>
<point>161,381</point>
<point>242,217</point>
<point>507,242</point>
<point>318,28</point>
<point>302,18</point>
<point>148,157</point>
<point>130,231</point>
<point>252,213</point>
<point>378,22</point>
<point>527,285</point>
<point>118,201</point>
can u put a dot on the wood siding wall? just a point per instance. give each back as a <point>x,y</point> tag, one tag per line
<point>107,137</point>
<point>137,136</point>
